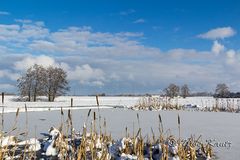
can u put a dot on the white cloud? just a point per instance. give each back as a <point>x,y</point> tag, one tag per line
<point>4,13</point>
<point>23,20</point>
<point>139,21</point>
<point>217,47</point>
<point>25,32</point>
<point>187,55</point>
<point>9,75</point>
<point>8,32</point>
<point>230,55</point>
<point>87,75</point>
<point>218,33</point>
<point>114,76</point>
<point>5,86</point>
<point>127,12</point>
<point>29,61</point>
<point>80,41</point>
<point>96,83</point>
<point>42,45</point>
<point>130,34</point>
<point>156,28</point>
<point>109,60</point>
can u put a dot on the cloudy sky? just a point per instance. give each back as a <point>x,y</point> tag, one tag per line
<point>127,46</point>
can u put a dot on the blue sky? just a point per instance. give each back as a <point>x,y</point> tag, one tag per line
<point>123,46</point>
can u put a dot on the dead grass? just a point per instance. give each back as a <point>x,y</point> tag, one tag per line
<point>165,103</point>
<point>96,143</point>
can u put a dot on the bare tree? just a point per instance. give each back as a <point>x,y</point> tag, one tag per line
<point>31,84</point>
<point>56,84</point>
<point>39,74</point>
<point>222,90</point>
<point>185,91</point>
<point>25,85</point>
<point>172,90</point>
<point>39,81</point>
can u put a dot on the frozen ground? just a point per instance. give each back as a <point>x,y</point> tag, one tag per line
<point>11,103</point>
<point>223,127</point>
<point>83,102</point>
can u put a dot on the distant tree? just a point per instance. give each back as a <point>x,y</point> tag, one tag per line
<point>202,94</point>
<point>102,94</point>
<point>39,81</point>
<point>25,85</point>
<point>56,82</point>
<point>222,90</point>
<point>172,90</point>
<point>39,74</point>
<point>185,91</point>
<point>31,84</point>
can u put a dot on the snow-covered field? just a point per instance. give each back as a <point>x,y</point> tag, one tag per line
<point>84,102</point>
<point>219,127</point>
<point>11,103</point>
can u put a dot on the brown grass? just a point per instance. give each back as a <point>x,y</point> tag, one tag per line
<point>96,144</point>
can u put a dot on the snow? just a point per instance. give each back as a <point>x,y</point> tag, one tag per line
<point>220,127</point>
<point>86,102</point>
<point>79,102</point>
<point>8,140</point>
<point>202,102</point>
<point>34,144</point>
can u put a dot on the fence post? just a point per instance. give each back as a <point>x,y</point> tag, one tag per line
<point>71,102</point>
<point>2,97</point>
<point>97,100</point>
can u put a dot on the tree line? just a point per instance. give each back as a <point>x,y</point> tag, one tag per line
<point>221,91</point>
<point>40,81</point>
<point>174,90</point>
<point>52,82</point>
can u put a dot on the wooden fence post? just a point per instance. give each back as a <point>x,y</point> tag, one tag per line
<point>2,97</point>
<point>97,100</point>
<point>71,102</point>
